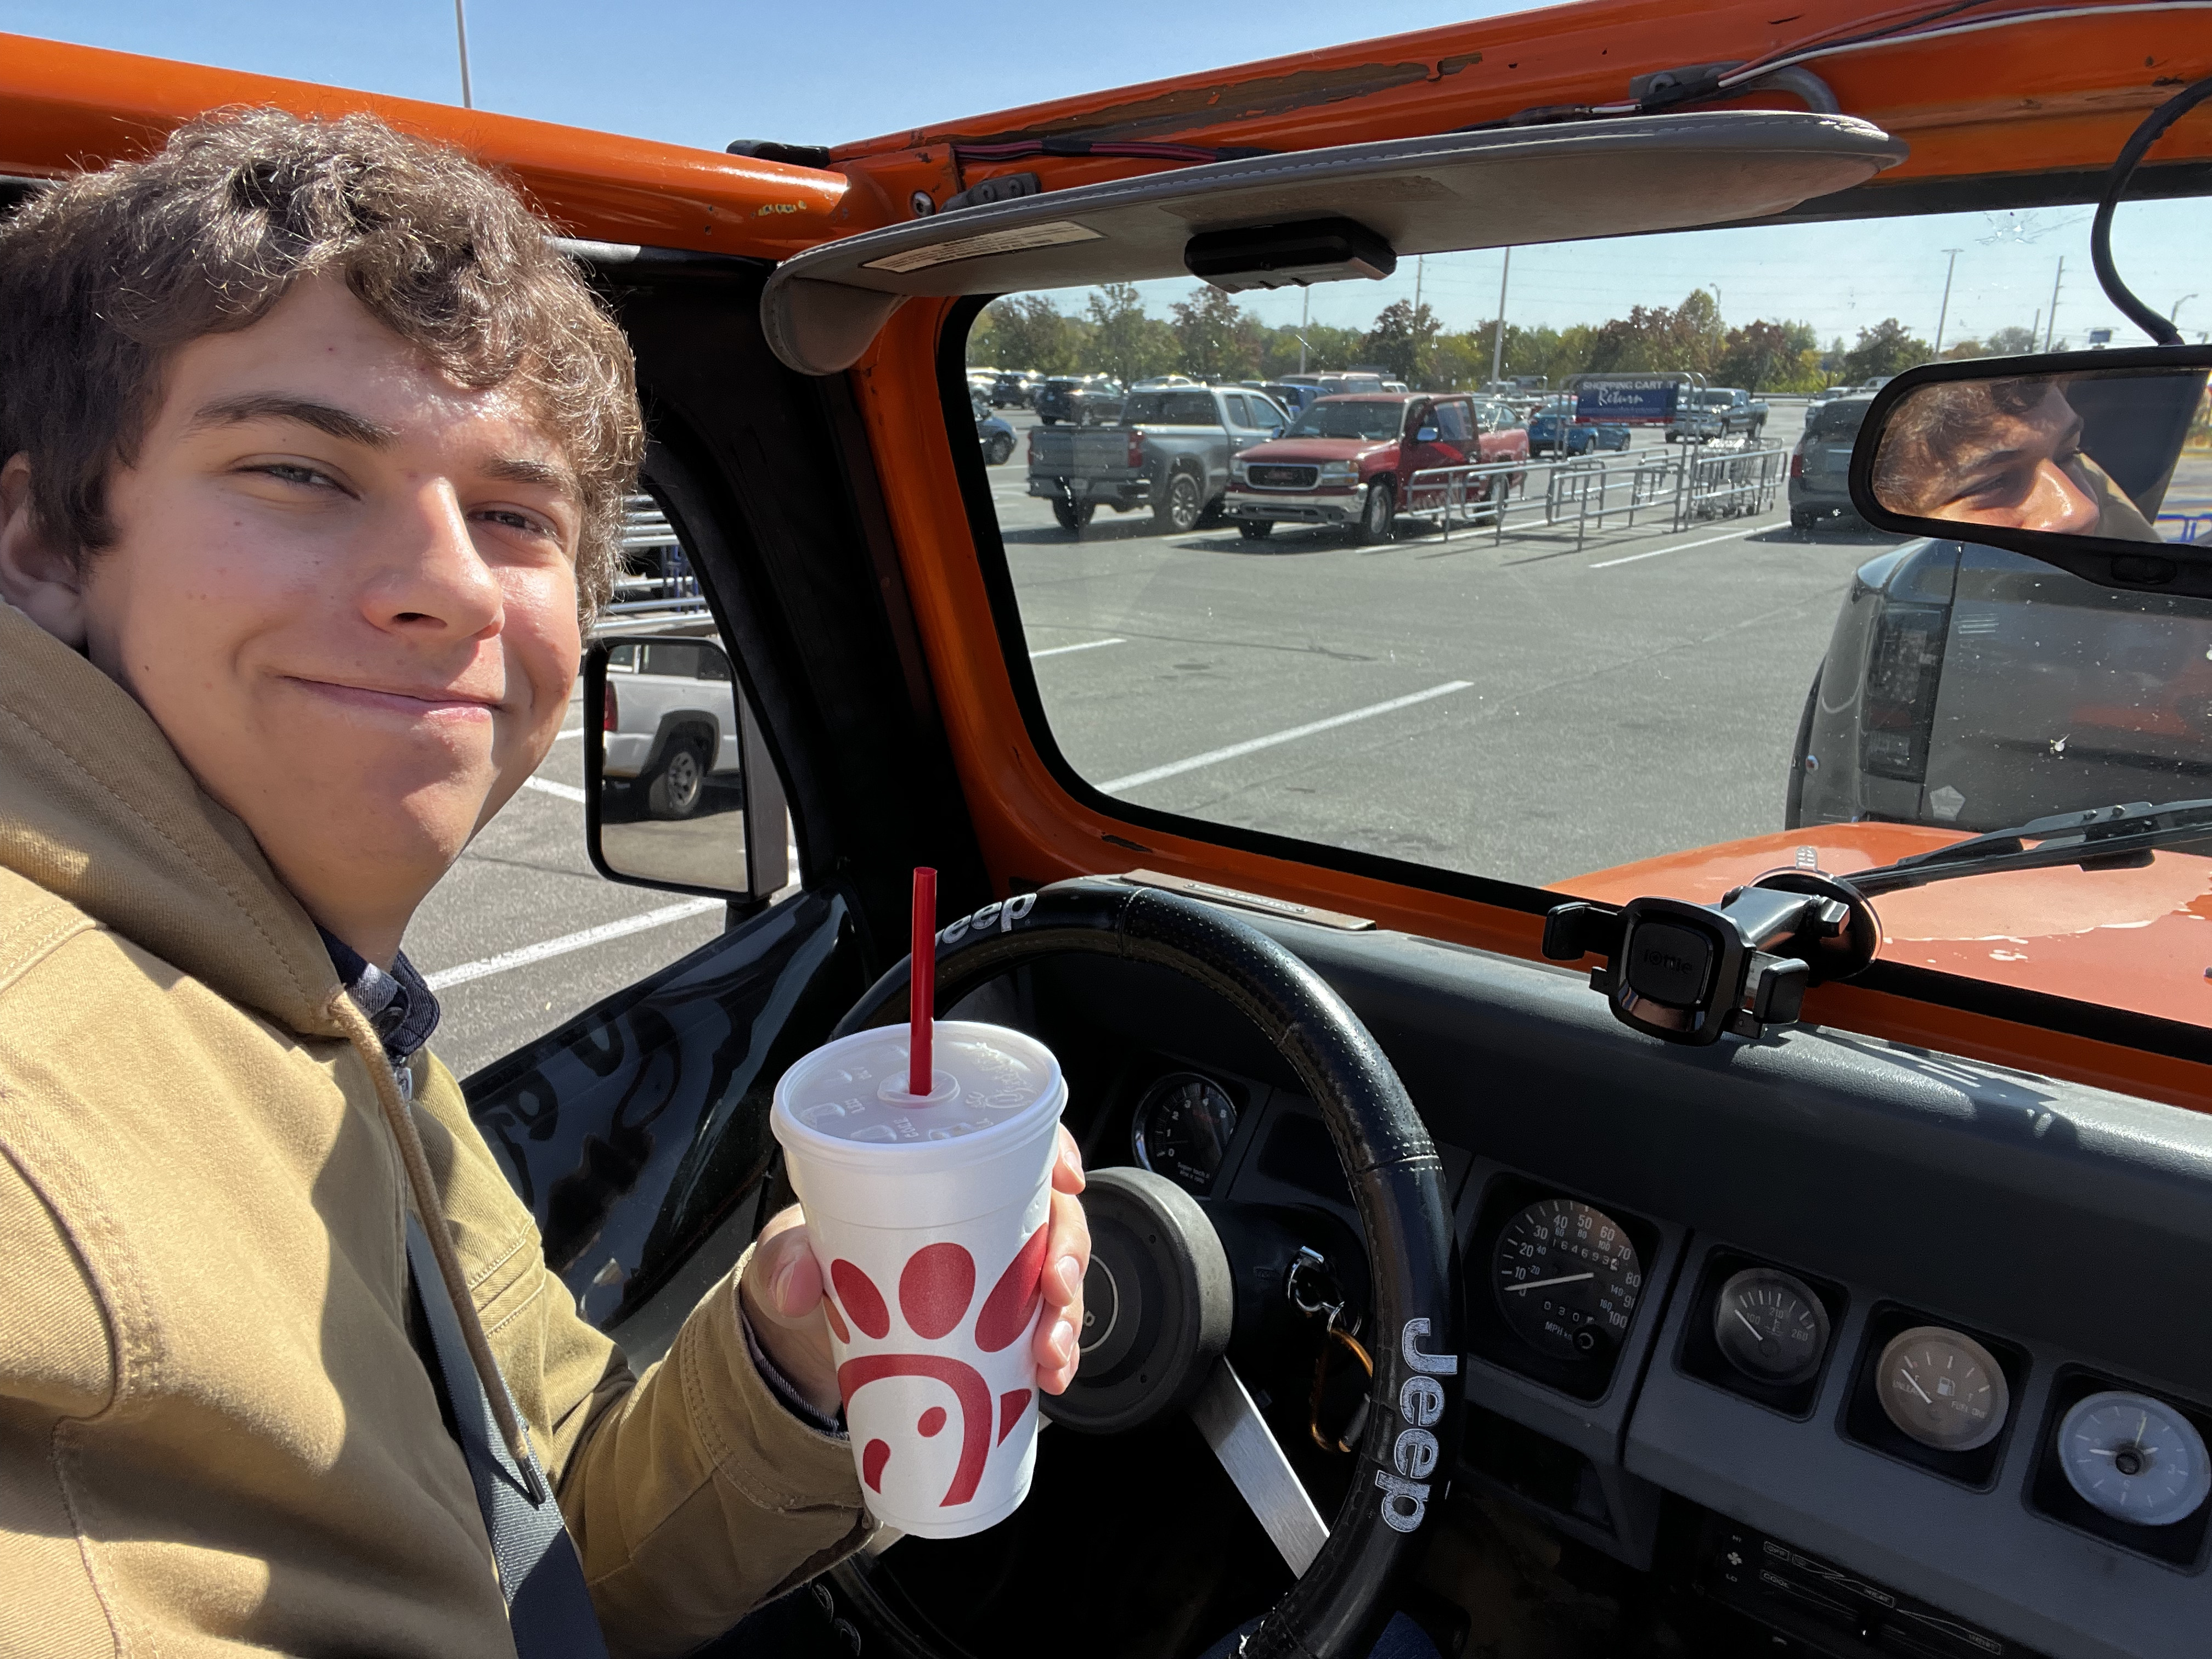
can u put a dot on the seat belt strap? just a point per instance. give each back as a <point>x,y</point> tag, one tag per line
<point>548,1607</point>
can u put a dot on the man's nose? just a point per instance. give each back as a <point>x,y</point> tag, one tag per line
<point>432,578</point>
<point>2060,504</point>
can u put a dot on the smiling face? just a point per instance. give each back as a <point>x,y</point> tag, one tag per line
<point>343,584</point>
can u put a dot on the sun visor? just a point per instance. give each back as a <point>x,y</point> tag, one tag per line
<point>1410,196</point>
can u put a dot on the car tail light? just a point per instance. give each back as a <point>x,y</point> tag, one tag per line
<point>1797,463</point>
<point>1136,449</point>
<point>1033,432</point>
<point>1904,667</point>
<point>610,710</point>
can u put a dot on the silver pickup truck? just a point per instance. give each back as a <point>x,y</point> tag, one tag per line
<point>1170,453</point>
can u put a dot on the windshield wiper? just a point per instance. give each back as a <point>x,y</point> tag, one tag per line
<point>2104,838</point>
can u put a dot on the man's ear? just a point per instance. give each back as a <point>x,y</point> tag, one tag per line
<point>36,577</point>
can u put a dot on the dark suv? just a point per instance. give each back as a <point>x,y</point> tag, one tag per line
<point>1820,465</point>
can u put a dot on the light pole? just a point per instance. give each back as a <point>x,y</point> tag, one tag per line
<point>1305,307</point>
<point>2050,327</point>
<point>1944,315</point>
<point>1497,335</point>
<point>461,33</point>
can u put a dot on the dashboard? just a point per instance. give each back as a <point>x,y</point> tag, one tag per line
<point>1891,1351</point>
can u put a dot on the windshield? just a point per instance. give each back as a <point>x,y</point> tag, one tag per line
<point>1657,658</point>
<point>1357,419</point>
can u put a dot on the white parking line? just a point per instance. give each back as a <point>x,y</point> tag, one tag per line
<point>1684,547</point>
<point>1116,785</point>
<point>567,942</point>
<point>546,786</point>
<point>1062,650</point>
<point>573,732</point>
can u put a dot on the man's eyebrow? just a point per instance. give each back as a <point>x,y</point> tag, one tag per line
<point>339,423</point>
<point>546,475</point>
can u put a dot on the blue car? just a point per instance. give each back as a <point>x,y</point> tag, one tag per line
<point>992,434</point>
<point>1546,425</point>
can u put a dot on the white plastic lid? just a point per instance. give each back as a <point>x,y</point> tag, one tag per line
<point>855,1088</point>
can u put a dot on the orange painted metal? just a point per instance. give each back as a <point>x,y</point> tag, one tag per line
<point>63,107</point>
<point>2053,94</point>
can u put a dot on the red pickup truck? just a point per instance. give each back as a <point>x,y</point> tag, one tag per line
<point>1355,460</point>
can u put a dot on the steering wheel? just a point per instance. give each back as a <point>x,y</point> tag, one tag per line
<point>1161,1292</point>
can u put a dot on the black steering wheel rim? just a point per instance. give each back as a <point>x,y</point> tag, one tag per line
<point>1388,1159</point>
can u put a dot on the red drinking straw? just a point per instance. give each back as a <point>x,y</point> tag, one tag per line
<point>922,993</point>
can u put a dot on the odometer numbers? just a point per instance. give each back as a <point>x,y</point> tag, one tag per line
<point>1568,1278</point>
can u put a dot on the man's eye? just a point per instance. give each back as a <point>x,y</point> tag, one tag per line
<point>287,472</point>
<point>528,524</point>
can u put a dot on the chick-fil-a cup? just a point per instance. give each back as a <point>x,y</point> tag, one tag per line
<point>929,1214</point>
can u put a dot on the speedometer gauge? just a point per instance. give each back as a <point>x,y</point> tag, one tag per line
<point>1181,1130</point>
<point>1568,1278</point>
<point>2134,1458</point>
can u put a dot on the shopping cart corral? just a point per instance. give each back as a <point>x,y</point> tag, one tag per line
<point>1589,494</point>
<point>656,579</point>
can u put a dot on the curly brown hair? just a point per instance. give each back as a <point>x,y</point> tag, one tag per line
<point>107,273</point>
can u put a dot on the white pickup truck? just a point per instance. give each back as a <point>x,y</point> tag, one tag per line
<point>671,722</point>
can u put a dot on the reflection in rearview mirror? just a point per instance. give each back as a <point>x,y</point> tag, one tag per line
<point>678,771</point>
<point>2058,456</point>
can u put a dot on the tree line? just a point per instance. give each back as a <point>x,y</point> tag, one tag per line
<point>1210,337</point>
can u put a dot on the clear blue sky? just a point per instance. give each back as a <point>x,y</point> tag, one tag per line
<point>693,73</point>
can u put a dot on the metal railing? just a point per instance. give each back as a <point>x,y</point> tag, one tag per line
<point>1588,495</point>
<point>655,574</point>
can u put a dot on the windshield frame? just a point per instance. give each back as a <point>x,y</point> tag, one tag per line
<point>2010,1023</point>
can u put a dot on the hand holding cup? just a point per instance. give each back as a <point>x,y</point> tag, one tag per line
<point>782,1292</point>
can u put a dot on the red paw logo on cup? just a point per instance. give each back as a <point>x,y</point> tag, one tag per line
<point>936,1289</point>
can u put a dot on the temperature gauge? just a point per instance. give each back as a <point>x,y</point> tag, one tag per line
<point>1771,1326</point>
<point>1943,1389</point>
<point>2134,1458</point>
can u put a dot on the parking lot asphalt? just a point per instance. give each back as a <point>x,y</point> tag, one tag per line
<point>1530,710</point>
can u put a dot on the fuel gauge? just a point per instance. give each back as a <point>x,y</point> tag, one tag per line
<point>1943,1389</point>
<point>1771,1326</point>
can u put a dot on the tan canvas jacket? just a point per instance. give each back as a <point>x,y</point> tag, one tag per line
<point>216,1438</point>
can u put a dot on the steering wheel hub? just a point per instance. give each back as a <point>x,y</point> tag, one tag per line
<point>1165,1303</point>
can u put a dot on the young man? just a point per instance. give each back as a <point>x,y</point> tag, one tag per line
<point>314,453</point>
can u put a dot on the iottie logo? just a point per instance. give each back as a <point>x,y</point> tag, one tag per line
<point>1421,1405</point>
<point>992,918</point>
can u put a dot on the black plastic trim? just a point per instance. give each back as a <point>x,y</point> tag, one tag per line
<point>2122,1027</point>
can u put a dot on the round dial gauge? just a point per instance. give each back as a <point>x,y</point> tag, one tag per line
<point>2136,1458</point>
<point>1943,1389</point>
<point>1771,1326</point>
<point>1183,1128</point>
<point>1568,1278</point>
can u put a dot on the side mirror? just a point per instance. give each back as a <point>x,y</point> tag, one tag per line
<point>1276,430</point>
<point>680,791</point>
<point>2066,457</point>
<point>1427,435</point>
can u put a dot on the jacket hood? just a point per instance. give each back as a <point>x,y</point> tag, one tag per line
<point>96,808</point>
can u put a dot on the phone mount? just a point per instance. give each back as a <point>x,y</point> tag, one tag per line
<point>1686,973</point>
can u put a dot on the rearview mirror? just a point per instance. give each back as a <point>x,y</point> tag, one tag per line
<point>2070,457</point>
<point>680,791</point>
